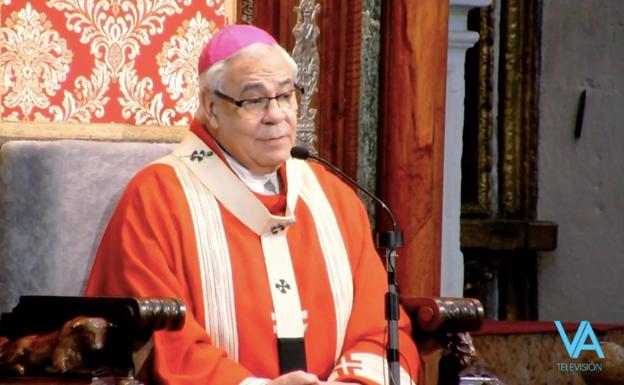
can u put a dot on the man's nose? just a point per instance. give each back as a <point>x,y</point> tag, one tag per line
<point>273,113</point>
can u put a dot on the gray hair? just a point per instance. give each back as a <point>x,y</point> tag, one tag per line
<point>212,78</point>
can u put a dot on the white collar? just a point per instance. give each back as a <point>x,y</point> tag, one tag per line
<point>256,183</point>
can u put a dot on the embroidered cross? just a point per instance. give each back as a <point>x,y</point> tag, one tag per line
<point>201,154</point>
<point>282,286</point>
<point>281,226</point>
<point>277,228</point>
<point>345,365</point>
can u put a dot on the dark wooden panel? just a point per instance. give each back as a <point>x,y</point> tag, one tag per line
<point>339,82</point>
<point>278,18</point>
<point>508,235</point>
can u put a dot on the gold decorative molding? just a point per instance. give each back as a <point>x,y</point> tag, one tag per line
<point>230,11</point>
<point>306,56</point>
<point>512,104</point>
<point>90,131</point>
<point>486,122</point>
<point>518,119</point>
<point>481,204</point>
<point>248,11</point>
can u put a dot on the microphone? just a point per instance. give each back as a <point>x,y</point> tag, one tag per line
<point>303,153</point>
<point>388,240</point>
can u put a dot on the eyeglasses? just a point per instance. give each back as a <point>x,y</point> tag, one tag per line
<point>256,107</point>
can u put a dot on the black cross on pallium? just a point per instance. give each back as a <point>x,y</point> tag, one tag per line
<point>277,228</point>
<point>200,155</point>
<point>282,286</point>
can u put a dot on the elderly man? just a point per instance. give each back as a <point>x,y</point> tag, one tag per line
<point>273,256</point>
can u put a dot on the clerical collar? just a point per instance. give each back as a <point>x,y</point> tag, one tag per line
<point>267,184</point>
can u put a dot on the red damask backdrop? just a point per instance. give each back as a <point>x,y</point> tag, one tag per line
<point>103,61</point>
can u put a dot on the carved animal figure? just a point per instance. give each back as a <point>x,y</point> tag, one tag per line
<point>60,351</point>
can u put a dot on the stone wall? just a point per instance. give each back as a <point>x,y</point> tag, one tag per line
<point>581,180</point>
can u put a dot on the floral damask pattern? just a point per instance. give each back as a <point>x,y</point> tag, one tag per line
<point>34,61</point>
<point>177,61</point>
<point>90,99</point>
<point>103,60</point>
<point>140,101</point>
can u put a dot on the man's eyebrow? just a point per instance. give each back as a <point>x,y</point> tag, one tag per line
<point>252,87</point>
<point>286,82</point>
<point>260,86</point>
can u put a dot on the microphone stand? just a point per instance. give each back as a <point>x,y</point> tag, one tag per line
<point>389,241</point>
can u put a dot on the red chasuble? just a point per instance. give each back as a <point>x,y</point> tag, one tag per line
<point>150,248</point>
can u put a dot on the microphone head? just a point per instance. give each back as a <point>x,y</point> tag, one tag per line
<point>299,152</point>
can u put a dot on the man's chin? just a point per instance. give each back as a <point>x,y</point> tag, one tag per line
<point>278,151</point>
<point>275,160</point>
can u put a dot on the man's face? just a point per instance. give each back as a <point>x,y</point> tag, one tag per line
<point>260,143</point>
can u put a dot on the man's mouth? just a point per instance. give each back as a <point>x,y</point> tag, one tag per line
<point>273,139</point>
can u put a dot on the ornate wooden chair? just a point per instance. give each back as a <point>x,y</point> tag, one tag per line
<point>46,339</point>
<point>45,237</point>
<point>441,329</point>
<point>82,339</point>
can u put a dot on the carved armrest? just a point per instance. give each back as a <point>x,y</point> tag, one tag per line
<point>81,336</point>
<point>433,315</point>
<point>442,322</point>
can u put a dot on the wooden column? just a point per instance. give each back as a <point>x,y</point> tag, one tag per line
<point>413,87</point>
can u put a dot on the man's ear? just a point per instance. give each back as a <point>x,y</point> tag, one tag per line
<point>213,119</point>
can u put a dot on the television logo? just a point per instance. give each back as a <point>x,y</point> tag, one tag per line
<point>579,342</point>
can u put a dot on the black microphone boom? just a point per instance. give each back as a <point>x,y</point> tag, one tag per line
<point>303,153</point>
<point>388,240</point>
<point>300,152</point>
